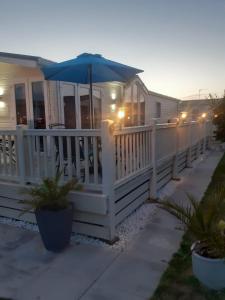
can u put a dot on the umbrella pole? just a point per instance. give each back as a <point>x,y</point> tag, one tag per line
<point>91,97</point>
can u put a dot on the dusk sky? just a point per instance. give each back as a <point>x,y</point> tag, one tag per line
<point>179,44</point>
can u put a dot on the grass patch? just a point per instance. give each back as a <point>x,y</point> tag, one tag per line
<point>178,282</point>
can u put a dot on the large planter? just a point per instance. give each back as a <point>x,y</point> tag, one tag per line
<point>209,271</point>
<point>55,227</point>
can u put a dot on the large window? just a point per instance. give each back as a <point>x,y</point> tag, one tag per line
<point>97,107</point>
<point>134,102</point>
<point>38,104</point>
<point>128,107</point>
<point>85,108</point>
<point>142,109</point>
<point>68,92</point>
<point>20,98</point>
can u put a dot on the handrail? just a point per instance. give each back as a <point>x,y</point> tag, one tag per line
<point>128,130</point>
<point>62,132</point>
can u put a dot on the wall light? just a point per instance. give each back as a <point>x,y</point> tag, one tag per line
<point>121,113</point>
<point>1,91</point>
<point>215,116</point>
<point>2,104</point>
<point>204,115</point>
<point>183,115</point>
<point>113,95</point>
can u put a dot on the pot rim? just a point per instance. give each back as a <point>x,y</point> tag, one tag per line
<point>70,207</point>
<point>203,257</point>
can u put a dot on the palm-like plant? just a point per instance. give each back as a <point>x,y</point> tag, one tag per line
<point>50,195</point>
<point>204,221</point>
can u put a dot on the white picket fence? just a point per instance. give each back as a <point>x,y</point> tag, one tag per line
<point>119,168</point>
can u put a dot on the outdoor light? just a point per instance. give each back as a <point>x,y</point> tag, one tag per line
<point>121,113</point>
<point>183,115</point>
<point>2,104</point>
<point>113,107</point>
<point>1,91</point>
<point>204,115</point>
<point>113,95</point>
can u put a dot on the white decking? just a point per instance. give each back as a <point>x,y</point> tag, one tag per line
<point>119,169</point>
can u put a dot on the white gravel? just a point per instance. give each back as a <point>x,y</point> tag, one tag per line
<point>125,231</point>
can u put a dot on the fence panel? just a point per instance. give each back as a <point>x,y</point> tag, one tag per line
<point>132,150</point>
<point>183,136</point>
<point>75,153</point>
<point>166,139</point>
<point>8,155</point>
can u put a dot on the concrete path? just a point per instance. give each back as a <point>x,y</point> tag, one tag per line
<point>86,272</point>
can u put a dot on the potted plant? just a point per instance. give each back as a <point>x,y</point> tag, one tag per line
<point>205,223</point>
<point>53,211</point>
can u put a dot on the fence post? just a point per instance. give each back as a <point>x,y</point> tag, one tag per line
<point>210,135</point>
<point>189,162</point>
<point>204,137</point>
<point>108,172</point>
<point>20,153</point>
<point>175,160</point>
<point>153,180</point>
<point>199,140</point>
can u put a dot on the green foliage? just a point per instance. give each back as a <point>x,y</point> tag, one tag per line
<point>219,119</point>
<point>204,222</point>
<point>50,195</point>
<point>177,281</point>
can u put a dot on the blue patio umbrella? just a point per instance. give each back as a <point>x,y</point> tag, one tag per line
<point>88,69</point>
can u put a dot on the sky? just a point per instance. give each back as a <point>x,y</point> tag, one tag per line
<point>180,44</point>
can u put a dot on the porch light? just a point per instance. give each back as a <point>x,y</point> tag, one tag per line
<point>1,91</point>
<point>121,113</point>
<point>2,104</point>
<point>113,95</point>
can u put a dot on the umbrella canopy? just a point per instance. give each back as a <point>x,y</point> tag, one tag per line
<point>87,68</point>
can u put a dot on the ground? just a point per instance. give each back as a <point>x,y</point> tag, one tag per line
<point>98,272</point>
<point>178,281</point>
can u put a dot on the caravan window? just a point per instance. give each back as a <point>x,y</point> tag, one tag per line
<point>142,109</point>
<point>20,98</point>
<point>38,104</point>
<point>158,110</point>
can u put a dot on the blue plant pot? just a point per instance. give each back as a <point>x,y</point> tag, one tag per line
<point>209,271</point>
<point>55,228</point>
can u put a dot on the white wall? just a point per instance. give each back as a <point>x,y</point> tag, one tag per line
<point>11,74</point>
<point>169,106</point>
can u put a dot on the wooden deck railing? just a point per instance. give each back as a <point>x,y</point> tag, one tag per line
<point>29,155</point>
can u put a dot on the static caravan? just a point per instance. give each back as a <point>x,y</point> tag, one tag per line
<point>119,167</point>
<point>163,108</point>
<point>195,108</point>
<point>29,100</point>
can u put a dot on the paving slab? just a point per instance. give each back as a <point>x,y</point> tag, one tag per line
<point>138,270</point>
<point>85,272</point>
